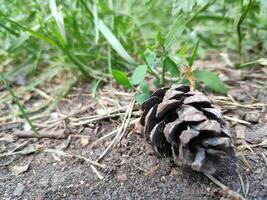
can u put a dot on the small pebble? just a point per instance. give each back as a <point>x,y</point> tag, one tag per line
<point>252,117</point>
<point>163,179</point>
<point>122,177</point>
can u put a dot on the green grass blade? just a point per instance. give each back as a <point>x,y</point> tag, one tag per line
<point>21,107</point>
<point>34,33</point>
<point>176,30</point>
<point>193,54</point>
<point>239,23</point>
<point>110,37</point>
<point>9,29</point>
<point>96,23</point>
<point>59,19</point>
<point>114,42</point>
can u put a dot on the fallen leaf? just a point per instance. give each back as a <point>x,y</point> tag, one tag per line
<point>16,170</point>
<point>257,136</point>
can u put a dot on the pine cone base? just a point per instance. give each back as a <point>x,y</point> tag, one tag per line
<point>187,126</point>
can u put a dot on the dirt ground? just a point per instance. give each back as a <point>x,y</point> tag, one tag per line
<point>46,168</point>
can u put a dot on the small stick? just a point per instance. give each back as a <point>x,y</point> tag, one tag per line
<point>236,120</point>
<point>97,172</point>
<point>121,131</point>
<point>264,158</point>
<point>62,153</point>
<point>100,118</point>
<point>230,192</point>
<point>91,162</point>
<point>20,146</point>
<point>105,136</point>
<point>53,134</point>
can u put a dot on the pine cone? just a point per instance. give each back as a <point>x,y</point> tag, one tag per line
<point>187,126</point>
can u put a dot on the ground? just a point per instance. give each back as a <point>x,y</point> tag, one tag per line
<point>49,168</point>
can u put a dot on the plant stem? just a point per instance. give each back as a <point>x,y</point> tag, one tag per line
<point>191,78</point>
<point>152,71</point>
<point>21,107</point>
<point>240,21</point>
<point>248,64</point>
<point>163,66</point>
<point>208,4</point>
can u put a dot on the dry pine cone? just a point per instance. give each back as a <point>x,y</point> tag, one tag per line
<point>187,126</point>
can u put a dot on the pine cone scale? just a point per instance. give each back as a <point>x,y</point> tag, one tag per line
<point>170,130</point>
<point>150,121</point>
<point>187,135</point>
<point>165,106</point>
<point>150,103</point>
<point>191,114</point>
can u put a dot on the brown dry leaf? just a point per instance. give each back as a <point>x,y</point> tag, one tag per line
<point>16,170</point>
<point>151,170</point>
<point>84,141</point>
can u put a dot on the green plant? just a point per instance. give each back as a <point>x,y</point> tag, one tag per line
<point>164,64</point>
<point>90,39</point>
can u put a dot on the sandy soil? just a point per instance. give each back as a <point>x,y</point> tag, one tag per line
<point>132,170</point>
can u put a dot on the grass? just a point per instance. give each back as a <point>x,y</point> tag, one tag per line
<point>41,40</point>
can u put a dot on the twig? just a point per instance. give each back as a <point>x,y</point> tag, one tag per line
<point>244,189</point>
<point>62,153</point>
<point>43,94</point>
<point>105,136</point>
<point>69,115</point>
<point>115,111</point>
<point>22,152</point>
<point>45,133</point>
<point>236,120</point>
<point>264,158</point>
<point>91,162</point>
<point>20,146</point>
<point>97,172</point>
<point>99,118</point>
<point>121,131</point>
<point>230,101</point>
<point>230,192</point>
